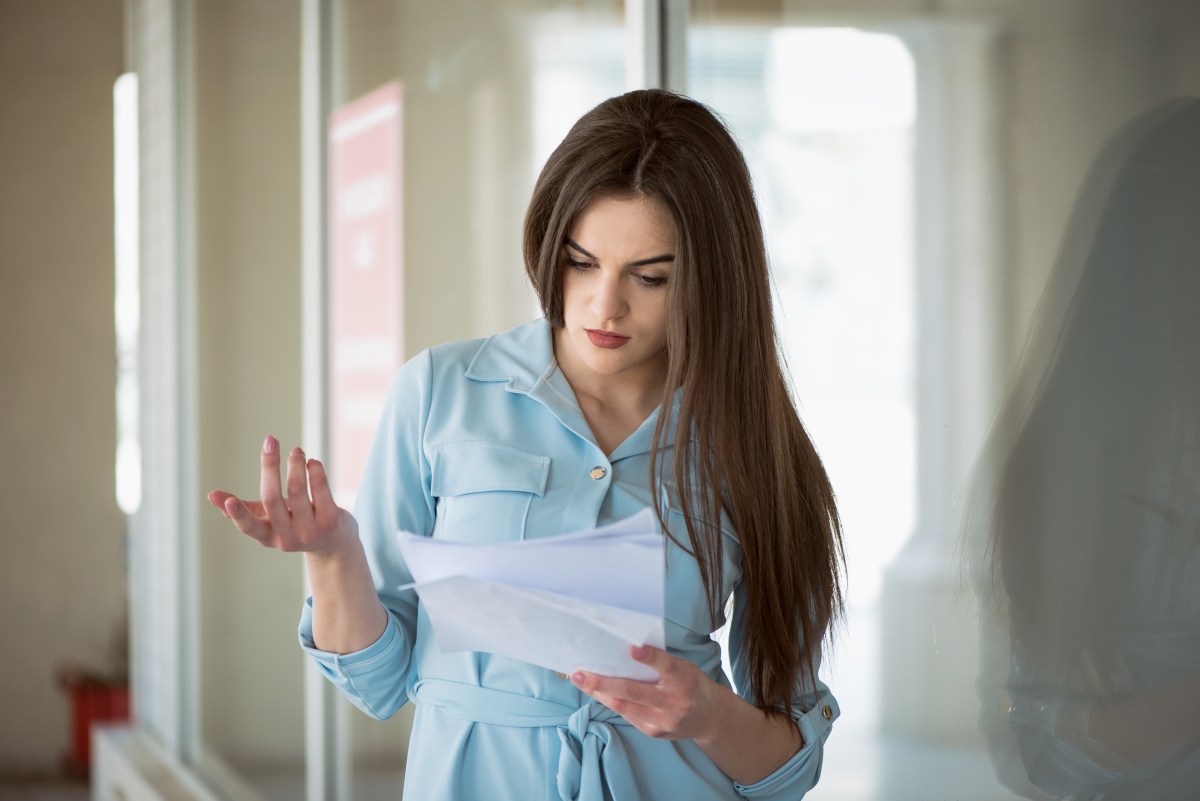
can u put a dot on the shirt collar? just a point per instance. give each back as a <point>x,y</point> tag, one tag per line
<point>524,359</point>
<point>521,357</point>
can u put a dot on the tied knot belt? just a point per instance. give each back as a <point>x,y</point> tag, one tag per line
<point>586,733</point>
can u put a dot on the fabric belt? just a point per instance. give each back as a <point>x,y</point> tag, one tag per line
<point>586,733</point>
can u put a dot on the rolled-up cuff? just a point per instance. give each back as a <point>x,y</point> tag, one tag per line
<point>799,774</point>
<point>373,678</point>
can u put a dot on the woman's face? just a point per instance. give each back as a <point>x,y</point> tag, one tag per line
<point>619,258</point>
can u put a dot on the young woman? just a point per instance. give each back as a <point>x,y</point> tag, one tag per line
<point>653,380</point>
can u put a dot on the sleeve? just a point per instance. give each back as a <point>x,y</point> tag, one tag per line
<point>1036,731</point>
<point>394,495</point>
<point>814,709</point>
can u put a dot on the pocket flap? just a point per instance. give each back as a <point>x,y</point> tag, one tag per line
<point>461,468</point>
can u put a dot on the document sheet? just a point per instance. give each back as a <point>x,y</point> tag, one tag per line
<point>573,602</point>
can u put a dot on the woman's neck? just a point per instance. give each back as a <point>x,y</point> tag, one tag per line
<point>614,405</point>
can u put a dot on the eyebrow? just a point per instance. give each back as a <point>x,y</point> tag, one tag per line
<point>639,263</point>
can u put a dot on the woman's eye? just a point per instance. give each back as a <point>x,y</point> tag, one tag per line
<point>578,266</point>
<point>651,280</point>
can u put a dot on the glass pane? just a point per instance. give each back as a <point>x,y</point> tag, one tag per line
<point>924,175</point>
<point>825,118</point>
<point>244,678</point>
<point>488,89</point>
<point>831,160</point>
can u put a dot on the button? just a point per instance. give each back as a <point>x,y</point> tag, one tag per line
<point>827,712</point>
<point>598,473</point>
<point>1039,707</point>
<point>1007,707</point>
<point>561,675</point>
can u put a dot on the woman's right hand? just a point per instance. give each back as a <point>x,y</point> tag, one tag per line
<point>314,525</point>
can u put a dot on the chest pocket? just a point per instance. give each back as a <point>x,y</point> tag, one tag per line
<point>484,490</point>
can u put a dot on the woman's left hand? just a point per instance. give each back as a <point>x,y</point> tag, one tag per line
<point>683,703</point>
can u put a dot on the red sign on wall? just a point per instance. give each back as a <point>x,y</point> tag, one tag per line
<point>366,271</point>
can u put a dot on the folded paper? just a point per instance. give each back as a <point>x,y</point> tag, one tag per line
<point>574,602</point>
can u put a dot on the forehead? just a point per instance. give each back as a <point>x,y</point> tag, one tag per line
<point>624,225</point>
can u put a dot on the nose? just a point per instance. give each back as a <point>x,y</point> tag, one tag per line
<point>608,298</point>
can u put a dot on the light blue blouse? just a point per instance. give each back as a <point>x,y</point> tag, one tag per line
<point>483,441</point>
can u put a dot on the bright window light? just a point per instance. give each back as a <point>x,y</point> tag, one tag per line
<point>126,312</point>
<point>839,79</point>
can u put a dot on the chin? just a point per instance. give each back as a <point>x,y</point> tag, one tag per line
<point>606,367</point>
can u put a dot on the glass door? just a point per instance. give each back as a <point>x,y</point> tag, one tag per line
<point>484,91</point>
<point>826,118</point>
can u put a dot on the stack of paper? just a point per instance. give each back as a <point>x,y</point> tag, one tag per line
<point>575,602</point>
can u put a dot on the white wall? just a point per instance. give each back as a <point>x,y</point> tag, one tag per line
<point>61,570</point>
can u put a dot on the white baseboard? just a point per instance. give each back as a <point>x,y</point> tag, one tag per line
<point>129,766</point>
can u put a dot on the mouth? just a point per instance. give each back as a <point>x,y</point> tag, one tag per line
<point>606,339</point>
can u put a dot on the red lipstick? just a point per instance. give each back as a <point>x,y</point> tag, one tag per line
<point>606,339</point>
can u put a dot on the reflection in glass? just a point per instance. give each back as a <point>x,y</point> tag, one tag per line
<point>1087,540</point>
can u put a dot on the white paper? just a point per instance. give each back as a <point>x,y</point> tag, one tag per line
<point>575,602</point>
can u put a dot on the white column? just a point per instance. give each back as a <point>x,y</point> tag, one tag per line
<point>161,581</point>
<point>676,16</point>
<point>657,36</point>
<point>929,639</point>
<point>643,20</point>
<point>326,715</point>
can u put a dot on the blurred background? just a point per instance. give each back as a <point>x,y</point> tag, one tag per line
<point>191,187</point>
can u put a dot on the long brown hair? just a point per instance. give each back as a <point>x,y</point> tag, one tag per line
<point>739,445</point>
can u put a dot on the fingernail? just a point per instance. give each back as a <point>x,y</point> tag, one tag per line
<point>638,651</point>
<point>578,679</point>
<point>231,506</point>
<point>270,445</point>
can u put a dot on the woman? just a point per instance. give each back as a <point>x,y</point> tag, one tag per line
<point>652,381</point>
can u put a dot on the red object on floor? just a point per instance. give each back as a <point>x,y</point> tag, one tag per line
<point>92,701</point>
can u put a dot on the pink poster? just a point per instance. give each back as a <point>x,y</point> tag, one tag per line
<point>366,271</point>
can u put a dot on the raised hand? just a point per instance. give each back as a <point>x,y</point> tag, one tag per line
<point>300,522</point>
